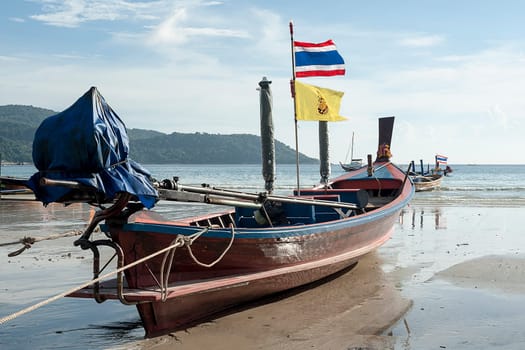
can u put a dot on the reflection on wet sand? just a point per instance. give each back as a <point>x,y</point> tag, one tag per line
<point>25,224</point>
<point>34,215</point>
<point>417,217</point>
<point>463,268</point>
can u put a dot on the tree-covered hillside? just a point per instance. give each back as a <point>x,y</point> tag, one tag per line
<point>19,123</point>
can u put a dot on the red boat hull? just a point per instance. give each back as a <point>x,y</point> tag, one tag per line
<point>178,312</point>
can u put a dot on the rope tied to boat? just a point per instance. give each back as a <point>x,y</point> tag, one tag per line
<point>196,236</point>
<point>178,242</point>
<point>377,179</point>
<point>28,242</point>
<point>169,257</point>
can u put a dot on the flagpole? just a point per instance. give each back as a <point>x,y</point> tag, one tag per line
<point>292,88</point>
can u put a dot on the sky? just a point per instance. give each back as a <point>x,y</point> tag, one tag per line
<point>451,72</point>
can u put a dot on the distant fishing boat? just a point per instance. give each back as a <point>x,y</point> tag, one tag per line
<point>427,182</point>
<point>431,179</point>
<point>355,163</point>
<point>179,272</point>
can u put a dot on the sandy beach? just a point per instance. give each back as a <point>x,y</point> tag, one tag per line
<point>348,311</point>
<point>450,277</point>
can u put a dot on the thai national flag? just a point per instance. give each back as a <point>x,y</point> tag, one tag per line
<point>441,159</point>
<point>317,60</point>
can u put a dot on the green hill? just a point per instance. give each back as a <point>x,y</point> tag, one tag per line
<point>18,127</point>
<point>19,124</point>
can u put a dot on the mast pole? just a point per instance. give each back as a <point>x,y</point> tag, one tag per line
<point>352,149</point>
<point>292,88</point>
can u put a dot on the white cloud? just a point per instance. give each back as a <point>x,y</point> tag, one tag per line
<point>167,31</point>
<point>175,29</point>
<point>422,41</point>
<point>69,57</point>
<point>497,115</point>
<point>461,106</point>
<point>17,19</point>
<point>268,29</point>
<point>72,13</point>
<point>10,59</point>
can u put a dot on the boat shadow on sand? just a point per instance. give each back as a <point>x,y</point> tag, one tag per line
<point>115,330</point>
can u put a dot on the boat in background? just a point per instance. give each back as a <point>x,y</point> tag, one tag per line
<point>355,163</point>
<point>430,179</point>
<point>184,271</point>
<point>426,182</point>
<point>10,185</point>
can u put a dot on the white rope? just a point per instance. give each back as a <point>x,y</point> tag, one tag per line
<point>377,179</point>
<point>178,243</point>
<point>382,166</point>
<point>32,240</point>
<point>163,285</point>
<point>216,260</point>
<point>166,271</point>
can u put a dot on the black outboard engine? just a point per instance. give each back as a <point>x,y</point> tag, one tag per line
<point>272,211</point>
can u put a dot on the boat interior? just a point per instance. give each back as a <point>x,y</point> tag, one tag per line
<point>274,213</point>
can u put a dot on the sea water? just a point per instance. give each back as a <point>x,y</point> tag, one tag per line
<point>50,268</point>
<point>490,185</point>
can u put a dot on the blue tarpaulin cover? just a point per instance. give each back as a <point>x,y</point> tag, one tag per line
<point>88,143</point>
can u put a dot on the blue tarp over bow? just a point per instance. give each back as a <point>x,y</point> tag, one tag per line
<point>88,143</point>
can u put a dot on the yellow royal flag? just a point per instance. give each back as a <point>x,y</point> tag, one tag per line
<point>315,103</point>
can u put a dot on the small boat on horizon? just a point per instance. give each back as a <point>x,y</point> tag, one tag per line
<point>355,163</point>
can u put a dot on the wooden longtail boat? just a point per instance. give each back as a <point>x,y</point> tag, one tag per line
<point>179,272</point>
<point>310,240</point>
<point>427,182</point>
<point>308,236</point>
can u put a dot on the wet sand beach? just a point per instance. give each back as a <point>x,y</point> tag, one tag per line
<point>350,310</point>
<point>450,277</point>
